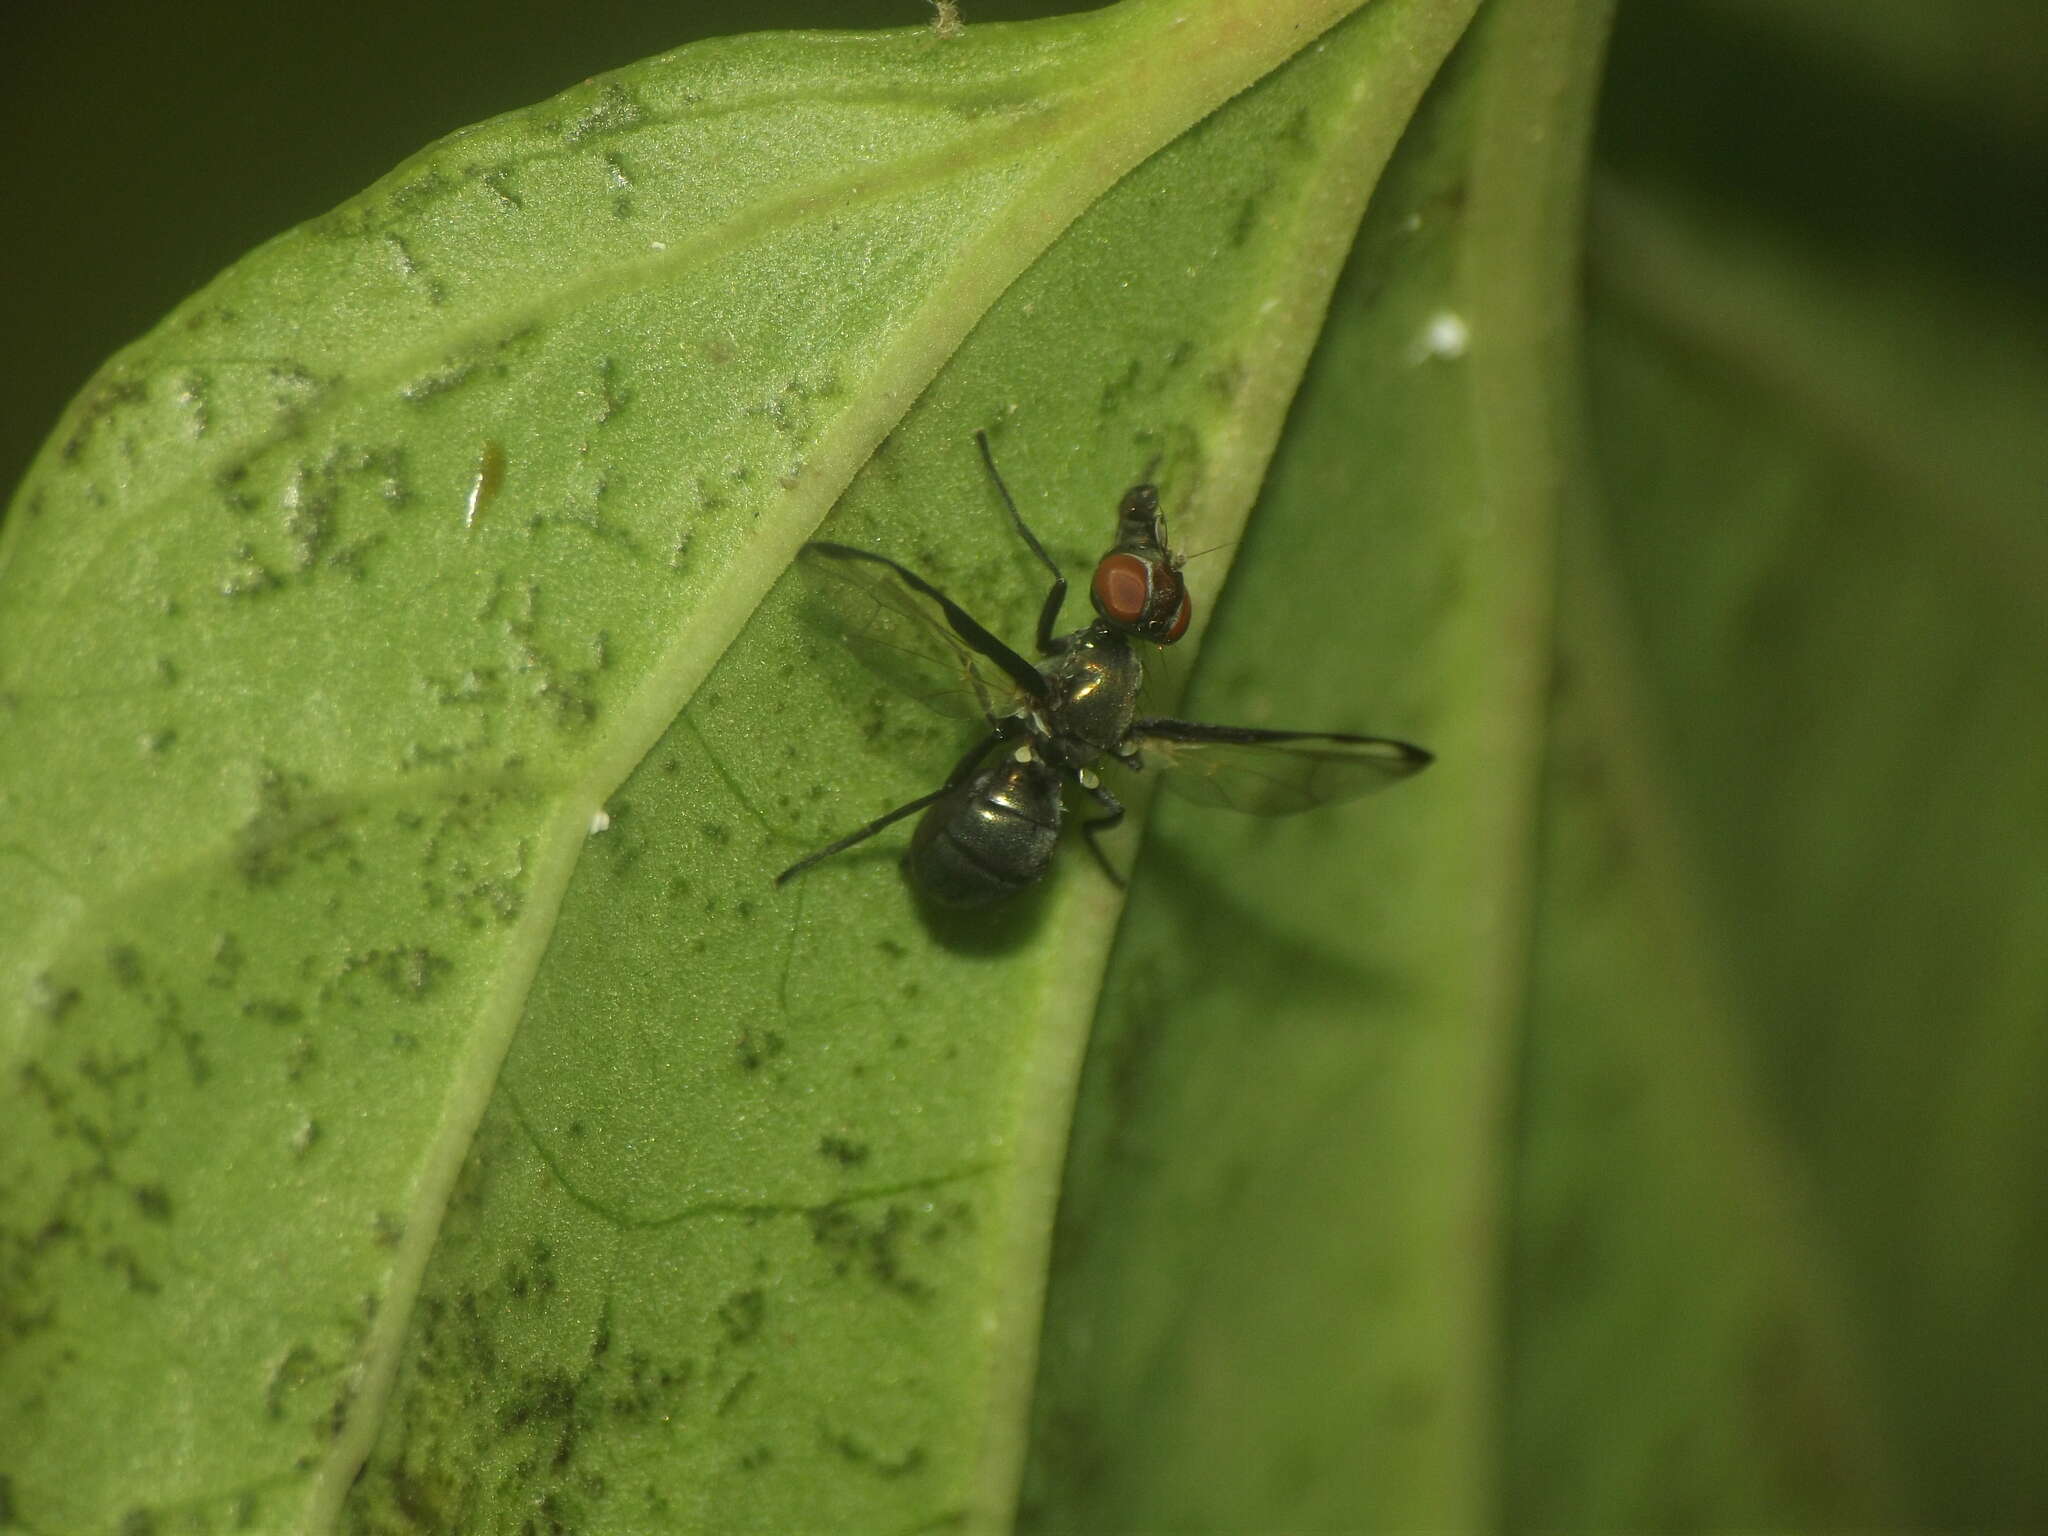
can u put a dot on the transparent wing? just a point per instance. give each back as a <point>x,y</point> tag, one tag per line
<point>1271,773</point>
<point>901,627</point>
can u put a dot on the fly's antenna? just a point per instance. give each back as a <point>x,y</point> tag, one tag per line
<point>988,457</point>
<point>1226,544</point>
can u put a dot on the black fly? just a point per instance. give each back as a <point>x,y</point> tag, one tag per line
<point>990,829</point>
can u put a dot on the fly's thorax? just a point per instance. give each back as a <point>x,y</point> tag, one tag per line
<point>1093,688</point>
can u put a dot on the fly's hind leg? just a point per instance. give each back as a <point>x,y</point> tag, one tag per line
<point>1093,828</point>
<point>959,775</point>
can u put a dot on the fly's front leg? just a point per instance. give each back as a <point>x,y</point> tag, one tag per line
<point>1049,642</point>
<point>1092,829</point>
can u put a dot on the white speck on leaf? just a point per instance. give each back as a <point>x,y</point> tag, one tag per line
<point>1445,334</point>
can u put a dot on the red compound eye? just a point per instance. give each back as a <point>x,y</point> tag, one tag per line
<point>1181,615</point>
<point>1122,588</point>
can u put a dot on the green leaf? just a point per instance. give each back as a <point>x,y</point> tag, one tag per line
<point>1645,1133</point>
<point>1635,1122</point>
<point>1276,1299</point>
<point>1782,1231</point>
<point>415,1070</point>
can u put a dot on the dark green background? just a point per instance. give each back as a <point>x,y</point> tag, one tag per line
<point>149,146</point>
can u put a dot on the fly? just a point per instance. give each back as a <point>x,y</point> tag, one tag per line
<point>990,829</point>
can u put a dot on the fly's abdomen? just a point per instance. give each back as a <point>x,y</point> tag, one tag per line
<point>989,838</point>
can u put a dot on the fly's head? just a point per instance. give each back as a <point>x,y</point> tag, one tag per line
<point>1137,586</point>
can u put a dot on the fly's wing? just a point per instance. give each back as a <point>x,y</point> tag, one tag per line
<point>1271,773</point>
<point>901,627</point>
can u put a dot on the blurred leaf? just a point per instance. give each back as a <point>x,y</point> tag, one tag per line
<point>1804,654</point>
<point>1659,1149</point>
<point>410,1058</point>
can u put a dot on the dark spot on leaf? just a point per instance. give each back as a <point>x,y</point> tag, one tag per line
<point>297,1368</point>
<point>863,1455</point>
<point>872,1248</point>
<point>408,973</point>
<point>104,399</point>
<point>1246,222</point>
<point>543,1395</point>
<point>734,1393</point>
<point>757,1047</point>
<point>248,576</point>
<point>442,380</point>
<point>531,1275</point>
<point>153,1201</point>
<point>498,181</point>
<point>848,1154</point>
<point>338,1410</point>
<point>955,1216</point>
<point>49,999</point>
<point>741,1315</point>
<point>124,962</point>
<point>123,1261</point>
<point>614,111</point>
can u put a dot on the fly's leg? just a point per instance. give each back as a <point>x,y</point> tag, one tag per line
<point>860,836</point>
<point>1094,828</point>
<point>959,775</point>
<point>1049,643</point>
<point>1029,680</point>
